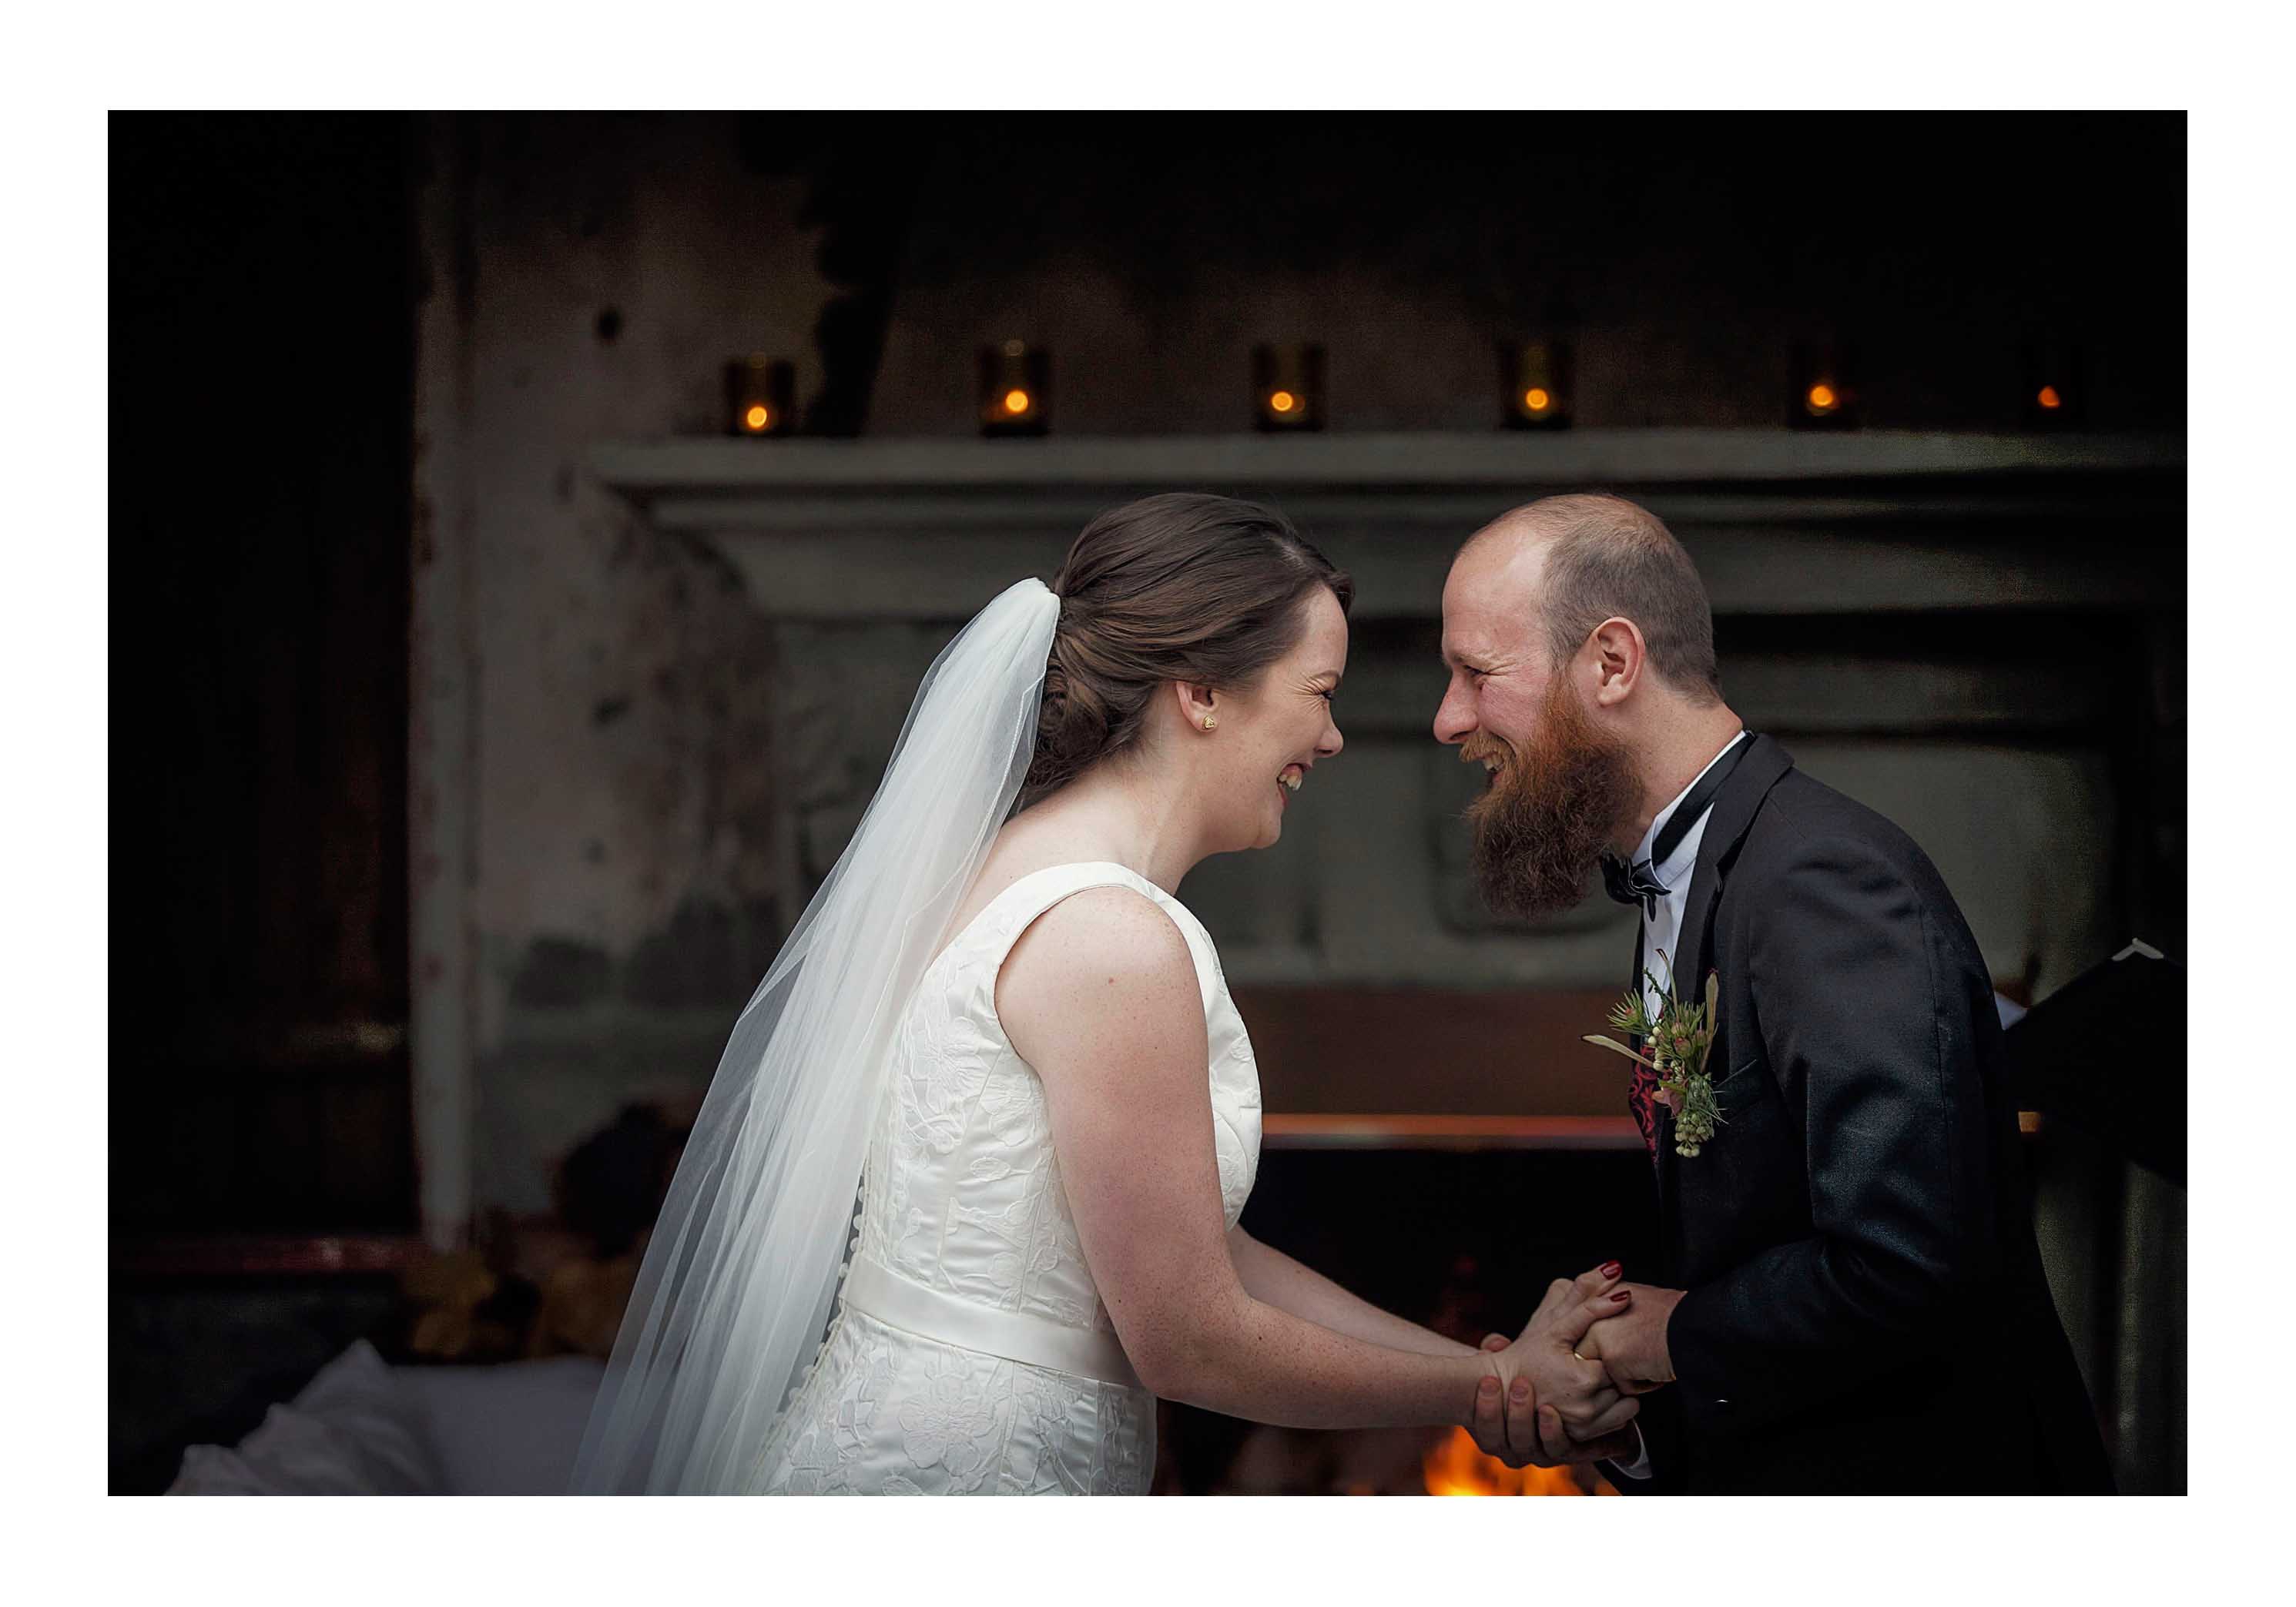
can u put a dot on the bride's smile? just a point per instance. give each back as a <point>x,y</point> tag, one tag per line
<point>1279,728</point>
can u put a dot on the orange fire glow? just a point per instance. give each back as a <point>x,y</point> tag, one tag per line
<point>1822,398</point>
<point>1536,399</point>
<point>1282,401</point>
<point>1455,1467</point>
<point>1016,401</point>
<point>2049,397</point>
<point>757,417</point>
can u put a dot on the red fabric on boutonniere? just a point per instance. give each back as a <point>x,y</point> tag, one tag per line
<point>1640,1101</point>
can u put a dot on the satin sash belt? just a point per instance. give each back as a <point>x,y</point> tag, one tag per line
<point>876,1290</point>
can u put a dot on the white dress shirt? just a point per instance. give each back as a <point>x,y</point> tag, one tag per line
<point>1662,931</point>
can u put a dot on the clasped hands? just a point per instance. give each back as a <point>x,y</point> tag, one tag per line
<point>1563,1390</point>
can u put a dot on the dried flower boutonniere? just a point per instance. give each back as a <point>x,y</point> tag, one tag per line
<point>1676,1038</point>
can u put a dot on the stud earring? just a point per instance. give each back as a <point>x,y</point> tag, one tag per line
<point>1211,721</point>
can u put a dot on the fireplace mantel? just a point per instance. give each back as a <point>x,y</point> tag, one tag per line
<point>674,472</point>
<point>1779,521</point>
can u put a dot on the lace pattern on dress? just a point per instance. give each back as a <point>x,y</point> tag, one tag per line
<point>963,1194</point>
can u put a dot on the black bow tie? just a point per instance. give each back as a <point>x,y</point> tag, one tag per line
<point>1638,884</point>
<point>1631,884</point>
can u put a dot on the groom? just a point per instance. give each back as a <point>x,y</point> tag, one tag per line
<point>1852,1299</point>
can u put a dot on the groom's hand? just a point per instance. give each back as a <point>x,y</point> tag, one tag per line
<point>1515,1426</point>
<point>1632,1345</point>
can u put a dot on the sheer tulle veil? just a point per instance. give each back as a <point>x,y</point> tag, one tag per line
<point>735,1291</point>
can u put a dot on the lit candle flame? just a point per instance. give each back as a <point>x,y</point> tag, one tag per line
<point>1536,399</point>
<point>1016,401</point>
<point>1822,398</point>
<point>2050,399</point>
<point>1282,401</point>
<point>759,416</point>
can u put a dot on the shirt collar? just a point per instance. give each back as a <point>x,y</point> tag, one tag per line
<point>1689,844</point>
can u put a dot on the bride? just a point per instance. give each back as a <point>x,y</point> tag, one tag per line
<point>1001,1038</point>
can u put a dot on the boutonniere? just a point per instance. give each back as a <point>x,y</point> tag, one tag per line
<point>1678,1038</point>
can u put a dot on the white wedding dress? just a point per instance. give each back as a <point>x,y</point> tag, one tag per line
<point>970,1353</point>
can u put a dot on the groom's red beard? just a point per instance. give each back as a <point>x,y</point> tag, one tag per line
<point>1550,811</point>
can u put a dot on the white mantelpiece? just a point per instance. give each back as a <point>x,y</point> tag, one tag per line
<point>1644,457</point>
<point>1779,522</point>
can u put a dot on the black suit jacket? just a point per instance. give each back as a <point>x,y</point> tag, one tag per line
<point>1866,1307</point>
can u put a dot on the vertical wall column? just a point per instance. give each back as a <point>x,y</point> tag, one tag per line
<point>442,721</point>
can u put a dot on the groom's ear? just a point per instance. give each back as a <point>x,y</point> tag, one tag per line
<point>1619,656</point>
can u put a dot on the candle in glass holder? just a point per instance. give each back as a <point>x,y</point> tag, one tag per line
<point>1287,386</point>
<point>761,396</point>
<point>2056,390</point>
<point>1016,389</point>
<point>1535,384</point>
<point>1824,389</point>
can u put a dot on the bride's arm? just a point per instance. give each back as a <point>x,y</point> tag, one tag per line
<point>1271,1276</point>
<point>1100,997</point>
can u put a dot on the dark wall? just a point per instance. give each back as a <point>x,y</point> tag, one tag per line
<point>1685,254</point>
<point>260,429</point>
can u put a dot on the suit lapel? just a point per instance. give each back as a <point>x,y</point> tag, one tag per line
<point>1734,811</point>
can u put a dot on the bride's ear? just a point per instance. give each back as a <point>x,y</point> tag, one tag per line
<point>1198,703</point>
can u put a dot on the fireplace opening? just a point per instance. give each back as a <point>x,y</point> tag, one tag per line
<point>1463,1242</point>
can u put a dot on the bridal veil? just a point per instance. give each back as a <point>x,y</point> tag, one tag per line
<point>735,1293</point>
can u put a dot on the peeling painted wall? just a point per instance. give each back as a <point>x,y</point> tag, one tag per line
<point>625,890</point>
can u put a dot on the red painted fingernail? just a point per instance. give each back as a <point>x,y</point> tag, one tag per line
<point>1610,1269</point>
<point>1620,1297</point>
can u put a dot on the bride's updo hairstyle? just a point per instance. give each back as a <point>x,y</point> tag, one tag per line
<point>1179,586</point>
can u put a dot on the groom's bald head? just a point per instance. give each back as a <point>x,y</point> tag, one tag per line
<point>1581,559</point>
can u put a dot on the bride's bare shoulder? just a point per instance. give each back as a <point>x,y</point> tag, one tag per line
<point>1111,932</point>
<point>1109,951</point>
